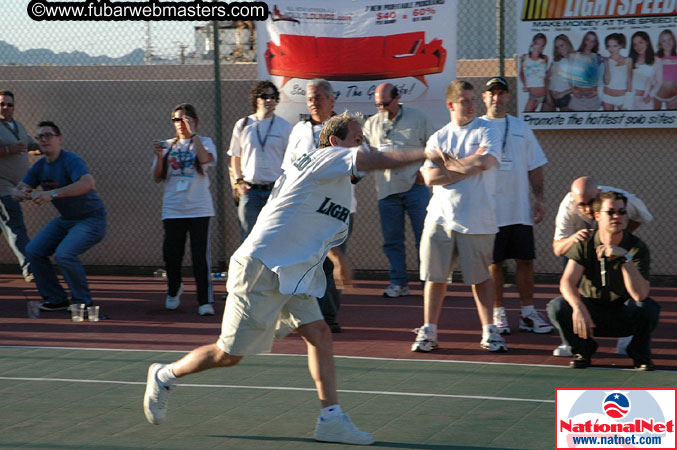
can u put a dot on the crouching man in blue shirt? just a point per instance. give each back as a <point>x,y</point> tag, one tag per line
<point>67,183</point>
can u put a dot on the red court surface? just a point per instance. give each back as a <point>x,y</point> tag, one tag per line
<point>373,326</point>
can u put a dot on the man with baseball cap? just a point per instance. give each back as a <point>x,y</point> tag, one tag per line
<point>521,167</point>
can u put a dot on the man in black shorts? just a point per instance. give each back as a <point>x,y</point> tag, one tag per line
<point>522,161</point>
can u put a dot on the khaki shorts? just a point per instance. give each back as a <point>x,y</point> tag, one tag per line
<point>443,248</point>
<point>256,312</point>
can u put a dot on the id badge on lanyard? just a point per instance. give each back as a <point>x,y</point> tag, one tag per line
<point>506,160</point>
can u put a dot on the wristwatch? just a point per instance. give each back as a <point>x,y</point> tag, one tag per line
<point>628,257</point>
<point>53,193</point>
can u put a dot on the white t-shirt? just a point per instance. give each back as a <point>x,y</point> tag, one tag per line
<point>569,221</point>
<point>467,206</point>
<point>186,191</point>
<point>304,138</point>
<point>261,145</point>
<point>306,215</point>
<point>520,155</point>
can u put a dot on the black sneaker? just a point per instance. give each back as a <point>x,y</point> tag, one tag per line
<point>582,361</point>
<point>642,364</point>
<point>50,306</point>
<point>579,362</point>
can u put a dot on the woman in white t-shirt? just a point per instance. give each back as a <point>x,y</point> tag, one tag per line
<point>180,163</point>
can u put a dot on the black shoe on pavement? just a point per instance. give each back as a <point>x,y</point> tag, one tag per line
<point>641,363</point>
<point>582,361</point>
<point>50,306</point>
<point>579,362</point>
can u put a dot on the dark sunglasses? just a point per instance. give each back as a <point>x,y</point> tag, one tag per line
<point>268,96</point>
<point>177,119</point>
<point>45,136</point>
<point>619,211</point>
<point>384,104</point>
<point>583,204</point>
<point>8,105</point>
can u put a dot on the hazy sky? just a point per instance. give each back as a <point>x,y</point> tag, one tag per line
<point>96,38</point>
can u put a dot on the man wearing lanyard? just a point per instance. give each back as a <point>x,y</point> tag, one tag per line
<point>14,143</point>
<point>522,161</point>
<point>400,190</point>
<point>305,138</point>
<point>257,148</point>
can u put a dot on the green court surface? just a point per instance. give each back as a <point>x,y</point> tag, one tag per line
<point>57,398</point>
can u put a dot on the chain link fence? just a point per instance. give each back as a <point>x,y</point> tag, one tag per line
<point>112,86</point>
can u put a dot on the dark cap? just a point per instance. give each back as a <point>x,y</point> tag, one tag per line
<point>496,82</point>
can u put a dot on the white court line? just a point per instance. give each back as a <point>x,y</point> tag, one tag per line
<point>369,358</point>
<point>282,388</point>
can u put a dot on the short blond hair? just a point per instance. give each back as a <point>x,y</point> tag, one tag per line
<point>456,88</point>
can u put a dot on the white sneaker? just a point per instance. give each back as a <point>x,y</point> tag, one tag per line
<point>156,396</point>
<point>426,340</point>
<point>535,322</point>
<point>501,321</point>
<point>206,310</point>
<point>622,345</point>
<point>174,302</point>
<point>563,350</point>
<point>493,341</point>
<point>396,291</point>
<point>341,429</point>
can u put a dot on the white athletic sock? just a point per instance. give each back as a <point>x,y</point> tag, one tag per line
<point>330,412</point>
<point>430,327</point>
<point>486,329</point>
<point>166,375</point>
<point>499,309</point>
<point>526,310</point>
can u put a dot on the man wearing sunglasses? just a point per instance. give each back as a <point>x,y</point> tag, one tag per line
<point>575,221</point>
<point>256,151</point>
<point>66,183</point>
<point>605,288</point>
<point>575,216</point>
<point>400,191</point>
<point>14,144</point>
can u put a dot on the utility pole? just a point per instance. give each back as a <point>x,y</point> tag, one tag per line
<point>148,52</point>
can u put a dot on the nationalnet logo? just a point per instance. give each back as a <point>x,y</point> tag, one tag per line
<point>615,418</point>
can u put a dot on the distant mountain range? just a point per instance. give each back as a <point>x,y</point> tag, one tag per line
<point>10,55</point>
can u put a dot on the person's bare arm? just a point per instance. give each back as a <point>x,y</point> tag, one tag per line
<point>82,186</point>
<point>561,246</point>
<point>536,182</point>
<point>343,272</point>
<point>636,285</point>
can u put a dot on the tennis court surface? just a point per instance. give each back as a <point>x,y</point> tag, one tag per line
<point>80,385</point>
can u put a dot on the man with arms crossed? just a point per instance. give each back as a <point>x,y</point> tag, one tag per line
<point>575,221</point>
<point>461,220</point>
<point>604,287</point>
<point>522,161</point>
<point>400,191</point>
<point>274,276</point>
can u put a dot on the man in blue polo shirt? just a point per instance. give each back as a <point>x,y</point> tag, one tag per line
<point>67,183</point>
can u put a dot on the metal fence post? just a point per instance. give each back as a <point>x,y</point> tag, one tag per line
<point>220,172</point>
<point>500,35</point>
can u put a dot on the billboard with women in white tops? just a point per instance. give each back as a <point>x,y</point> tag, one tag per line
<point>597,64</point>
